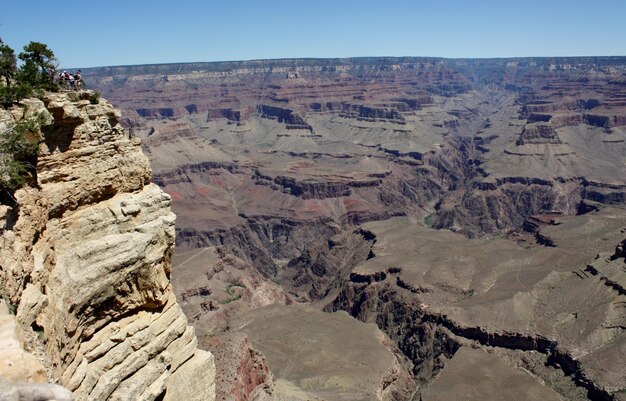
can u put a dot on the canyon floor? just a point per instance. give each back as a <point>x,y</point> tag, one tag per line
<point>394,228</point>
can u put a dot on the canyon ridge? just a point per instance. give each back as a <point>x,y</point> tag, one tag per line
<point>345,229</point>
<point>467,211</point>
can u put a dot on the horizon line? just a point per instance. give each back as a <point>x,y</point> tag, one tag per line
<point>349,59</point>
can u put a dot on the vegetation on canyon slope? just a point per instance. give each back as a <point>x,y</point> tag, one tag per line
<point>17,152</point>
<point>35,74</point>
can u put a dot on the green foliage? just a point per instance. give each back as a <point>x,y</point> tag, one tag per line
<point>17,152</point>
<point>15,93</point>
<point>33,75</point>
<point>232,297</point>
<point>29,74</point>
<point>8,63</point>
<point>38,61</point>
<point>94,98</point>
<point>429,220</point>
<point>38,55</point>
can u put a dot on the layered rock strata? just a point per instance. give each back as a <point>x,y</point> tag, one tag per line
<point>480,145</point>
<point>85,259</point>
<point>275,163</point>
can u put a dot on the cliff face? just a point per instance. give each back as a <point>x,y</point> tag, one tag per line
<point>555,309</point>
<point>85,258</point>
<point>274,164</point>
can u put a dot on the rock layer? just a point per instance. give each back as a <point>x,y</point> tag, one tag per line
<point>275,163</point>
<point>86,260</point>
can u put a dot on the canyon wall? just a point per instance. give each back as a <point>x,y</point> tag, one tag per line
<point>289,179</point>
<point>85,260</point>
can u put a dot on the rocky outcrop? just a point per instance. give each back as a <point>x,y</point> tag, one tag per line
<point>538,134</point>
<point>244,373</point>
<point>229,114</point>
<point>22,375</point>
<point>282,115</point>
<point>604,193</point>
<point>508,206</point>
<point>85,258</point>
<point>16,363</point>
<point>325,267</point>
<point>430,340</point>
<point>213,286</point>
<point>620,251</point>
<point>307,190</point>
<point>372,113</point>
<point>163,112</point>
<point>262,239</point>
<point>419,301</point>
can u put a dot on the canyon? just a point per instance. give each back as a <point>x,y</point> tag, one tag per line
<point>345,229</point>
<point>465,212</point>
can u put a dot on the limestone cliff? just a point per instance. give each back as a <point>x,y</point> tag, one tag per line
<point>85,258</point>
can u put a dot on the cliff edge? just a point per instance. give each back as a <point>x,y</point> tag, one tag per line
<point>85,261</point>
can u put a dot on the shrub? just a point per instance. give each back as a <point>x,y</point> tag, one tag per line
<point>94,98</point>
<point>15,93</point>
<point>17,153</point>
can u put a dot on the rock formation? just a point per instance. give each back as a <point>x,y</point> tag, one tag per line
<point>433,295</point>
<point>22,375</point>
<point>289,178</point>
<point>85,253</point>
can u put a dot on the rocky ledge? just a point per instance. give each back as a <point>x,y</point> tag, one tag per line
<point>85,253</point>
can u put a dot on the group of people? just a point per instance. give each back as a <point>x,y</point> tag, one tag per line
<point>72,81</point>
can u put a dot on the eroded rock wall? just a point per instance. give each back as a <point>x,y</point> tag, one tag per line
<point>85,255</point>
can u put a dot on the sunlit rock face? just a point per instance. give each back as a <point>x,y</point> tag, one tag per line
<point>86,261</point>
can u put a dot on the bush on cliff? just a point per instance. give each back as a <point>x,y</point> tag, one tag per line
<point>18,153</point>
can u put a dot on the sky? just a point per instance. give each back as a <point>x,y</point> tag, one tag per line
<point>114,32</point>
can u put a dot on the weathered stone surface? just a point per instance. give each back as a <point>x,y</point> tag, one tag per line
<point>326,356</point>
<point>198,372</point>
<point>85,257</point>
<point>15,363</point>
<point>21,391</point>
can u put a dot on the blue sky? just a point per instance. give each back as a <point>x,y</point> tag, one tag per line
<point>113,32</point>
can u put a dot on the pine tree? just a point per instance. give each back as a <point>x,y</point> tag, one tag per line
<point>37,59</point>
<point>8,63</point>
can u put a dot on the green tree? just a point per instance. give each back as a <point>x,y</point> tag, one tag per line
<point>33,76</point>
<point>8,63</point>
<point>10,91</point>
<point>18,153</point>
<point>37,59</point>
